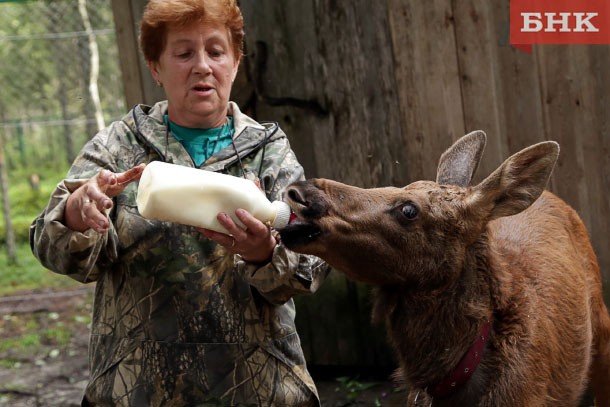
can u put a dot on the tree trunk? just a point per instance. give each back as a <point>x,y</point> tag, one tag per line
<point>11,247</point>
<point>68,139</point>
<point>53,10</point>
<point>91,67</point>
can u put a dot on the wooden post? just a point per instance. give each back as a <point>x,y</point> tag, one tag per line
<point>137,80</point>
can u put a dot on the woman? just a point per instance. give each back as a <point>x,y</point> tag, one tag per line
<point>183,317</point>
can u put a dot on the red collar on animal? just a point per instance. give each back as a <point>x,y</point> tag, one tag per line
<point>465,369</point>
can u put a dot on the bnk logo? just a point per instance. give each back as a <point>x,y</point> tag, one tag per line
<point>559,22</point>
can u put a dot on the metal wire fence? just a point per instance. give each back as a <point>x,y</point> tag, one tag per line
<point>60,79</point>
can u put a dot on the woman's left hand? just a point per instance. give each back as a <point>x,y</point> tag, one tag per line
<point>254,244</point>
<point>86,206</point>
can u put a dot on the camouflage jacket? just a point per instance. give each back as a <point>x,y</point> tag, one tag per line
<point>176,320</point>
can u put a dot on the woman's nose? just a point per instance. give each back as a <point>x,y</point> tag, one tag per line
<point>202,63</point>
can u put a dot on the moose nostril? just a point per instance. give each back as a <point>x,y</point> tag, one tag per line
<point>295,195</point>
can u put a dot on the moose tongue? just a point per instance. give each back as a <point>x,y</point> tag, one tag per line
<point>293,218</point>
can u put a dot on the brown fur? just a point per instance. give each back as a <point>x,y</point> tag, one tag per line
<point>503,249</point>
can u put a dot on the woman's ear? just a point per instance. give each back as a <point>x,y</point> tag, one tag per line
<point>152,66</point>
<point>235,69</point>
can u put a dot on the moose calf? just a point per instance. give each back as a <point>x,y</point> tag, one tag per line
<point>491,294</point>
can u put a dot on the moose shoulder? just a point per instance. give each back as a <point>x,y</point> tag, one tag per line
<point>491,293</point>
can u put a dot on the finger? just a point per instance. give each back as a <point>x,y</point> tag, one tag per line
<point>106,179</point>
<point>206,232</point>
<point>130,175</point>
<point>253,225</point>
<point>92,216</point>
<point>227,241</point>
<point>97,223</point>
<point>232,228</point>
<point>97,196</point>
<point>212,234</point>
<point>113,184</point>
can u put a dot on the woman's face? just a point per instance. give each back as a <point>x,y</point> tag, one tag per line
<point>197,69</point>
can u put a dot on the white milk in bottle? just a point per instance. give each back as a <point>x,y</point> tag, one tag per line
<point>190,196</point>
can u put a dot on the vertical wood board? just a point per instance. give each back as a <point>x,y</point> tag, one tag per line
<point>426,66</point>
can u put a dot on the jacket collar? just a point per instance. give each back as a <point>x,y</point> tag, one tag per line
<point>148,125</point>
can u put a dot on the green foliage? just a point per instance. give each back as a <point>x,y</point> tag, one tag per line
<point>26,202</point>
<point>352,387</point>
<point>27,274</point>
<point>23,343</point>
<point>59,336</point>
<point>82,319</point>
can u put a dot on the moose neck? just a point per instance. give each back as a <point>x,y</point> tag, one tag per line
<point>431,330</point>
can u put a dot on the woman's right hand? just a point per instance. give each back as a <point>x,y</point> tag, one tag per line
<point>86,206</point>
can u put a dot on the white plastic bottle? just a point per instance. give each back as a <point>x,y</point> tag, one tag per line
<point>190,196</point>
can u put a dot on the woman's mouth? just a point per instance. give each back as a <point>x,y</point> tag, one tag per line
<point>202,89</point>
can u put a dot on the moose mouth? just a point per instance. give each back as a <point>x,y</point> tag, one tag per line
<point>299,233</point>
<point>308,209</point>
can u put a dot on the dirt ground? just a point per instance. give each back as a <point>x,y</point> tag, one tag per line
<point>43,356</point>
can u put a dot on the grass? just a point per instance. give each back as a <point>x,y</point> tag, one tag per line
<point>27,274</point>
<point>23,343</point>
<point>26,203</point>
<point>352,387</point>
<point>60,335</point>
<point>14,349</point>
<point>36,337</point>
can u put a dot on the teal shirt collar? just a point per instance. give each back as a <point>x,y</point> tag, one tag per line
<point>201,144</point>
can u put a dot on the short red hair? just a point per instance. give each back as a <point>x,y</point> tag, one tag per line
<point>162,15</point>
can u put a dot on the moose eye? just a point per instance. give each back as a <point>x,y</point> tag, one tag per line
<point>409,210</point>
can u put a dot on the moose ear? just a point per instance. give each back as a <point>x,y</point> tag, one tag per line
<point>458,164</point>
<point>517,183</point>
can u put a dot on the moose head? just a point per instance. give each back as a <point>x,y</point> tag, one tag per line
<point>418,234</point>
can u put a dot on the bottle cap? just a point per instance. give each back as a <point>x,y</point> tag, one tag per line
<point>282,214</point>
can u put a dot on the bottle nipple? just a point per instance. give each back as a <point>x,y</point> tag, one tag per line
<point>282,216</point>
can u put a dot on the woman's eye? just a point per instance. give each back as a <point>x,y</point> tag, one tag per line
<point>215,53</point>
<point>410,211</point>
